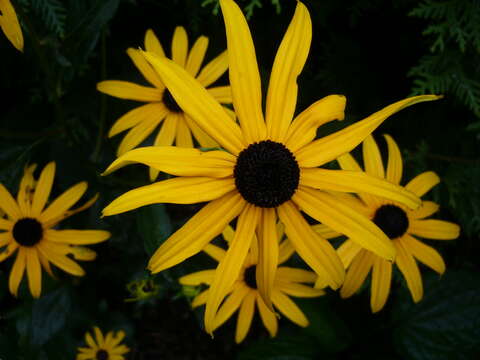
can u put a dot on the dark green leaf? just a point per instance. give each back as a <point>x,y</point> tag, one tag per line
<point>154,226</point>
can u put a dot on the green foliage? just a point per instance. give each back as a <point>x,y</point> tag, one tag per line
<point>249,8</point>
<point>53,13</point>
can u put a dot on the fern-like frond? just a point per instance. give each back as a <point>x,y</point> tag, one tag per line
<point>52,13</point>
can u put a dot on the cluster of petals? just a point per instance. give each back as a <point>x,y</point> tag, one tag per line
<point>103,347</point>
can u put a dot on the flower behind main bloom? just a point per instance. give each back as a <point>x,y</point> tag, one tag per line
<point>108,347</point>
<point>29,230</point>
<point>10,25</point>
<point>269,168</point>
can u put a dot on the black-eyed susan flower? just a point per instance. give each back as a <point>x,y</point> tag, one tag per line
<point>244,296</point>
<point>269,169</point>
<point>402,225</point>
<point>10,25</point>
<point>108,347</point>
<point>176,126</point>
<point>29,230</point>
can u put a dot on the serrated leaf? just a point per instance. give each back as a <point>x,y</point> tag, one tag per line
<point>154,226</point>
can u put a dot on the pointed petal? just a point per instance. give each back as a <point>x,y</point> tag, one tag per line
<point>214,252</point>
<point>184,136</point>
<point>26,189</point>
<point>332,146</point>
<point>197,232</point>
<point>357,273</point>
<point>52,254</point>
<point>348,251</point>
<point>299,290</point>
<point>180,46</point>
<point>243,72</point>
<point>152,44</point>
<point>223,94</point>
<point>268,318</point>
<point>138,115</point>
<point>289,274</point>
<point>325,232</point>
<point>231,304</point>
<point>9,251</point>
<point>43,188</point>
<point>180,190</point>
<point>381,279</point>
<point>285,251</point>
<point>245,316</point>
<point>424,253</point>
<point>201,136</point>
<point>304,128</point>
<point>288,308</point>
<point>228,269</point>
<point>129,91</point>
<point>99,336</point>
<point>395,162</point>
<point>198,104</point>
<point>16,274</point>
<point>34,272</point>
<point>357,182</point>
<point>422,183</point>
<point>138,133</point>
<point>82,253</point>
<point>10,25</point>
<point>315,251</point>
<point>72,212</point>
<point>64,202</point>
<point>144,67</point>
<point>288,64</point>
<point>434,229</point>
<point>372,159</point>
<point>197,278</point>
<point>200,299</point>
<point>409,268</point>
<point>213,70</point>
<point>77,237</point>
<point>340,217</point>
<point>196,55</point>
<point>165,137</point>
<point>90,342</point>
<point>9,206</point>
<point>425,210</point>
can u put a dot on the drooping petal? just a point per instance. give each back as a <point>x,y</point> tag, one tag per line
<point>268,318</point>
<point>43,188</point>
<point>198,104</point>
<point>288,308</point>
<point>434,229</point>
<point>395,162</point>
<point>213,70</point>
<point>179,161</point>
<point>304,128</point>
<point>197,232</point>
<point>129,91</point>
<point>197,278</point>
<point>357,182</point>
<point>17,271</point>
<point>424,253</point>
<point>10,25</point>
<point>348,251</point>
<point>9,206</point>
<point>138,115</point>
<point>64,202</point>
<point>138,133</point>
<point>180,46</point>
<point>289,61</point>
<point>327,210</point>
<point>223,94</point>
<point>245,316</point>
<point>180,190</point>
<point>196,55</point>
<point>381,280</point>
<point>184,136</point>
<point>243,73</point>
<point>228,269</point>
<point>315,251</point>
<point>357,272</point>
<point>34,272</point>
<point>332,146</point>
<point>422,183</point>
<point>152,44</point>
<point>77,237</point>
<point>231,304</point>
<point>425,210</point>
<point>409,268</point>
<point>299,290</point>
<point>372,159</point>
<point>144,67</point>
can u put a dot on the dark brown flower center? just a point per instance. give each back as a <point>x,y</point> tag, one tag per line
<point>392,220</point>
<point>250,277</point>
<point>266,174</point>
<point>102,355</point>
<point>170,102</point>
<point>27,232</point>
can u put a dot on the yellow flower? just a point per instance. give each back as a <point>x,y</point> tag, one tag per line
<point>29,230</point>
<point>10,25</point>
<point>269,168</point>
<point>244,294</point>
<point>399,223</point>
<point>177,126</point>
<point>103,348</point>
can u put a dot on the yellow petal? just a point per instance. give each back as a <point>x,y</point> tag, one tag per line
<point>304,128</point>
<point>286,250</point>
<point>77,237</point>
<point>43,188</point>
<point>422,183</point>
<point>357,273</point>
<point>268,317</point>
<point>340,217</point>
<point>72,212</point>
<point>165,137</point>
<point>129,91</point>
<point>425,210</point>
<point>180,46</point>
<point>348,251</point>
<point>200,299</point>
<point>26,189</point>
<point>138,133</point>
<point>52,254</point>
<point>381,279</point>
<point>289,274</point>
<point>409,268</point>
<point>8,204</point>
<point>89,340</point>
<point>196,55</point>
<point>184,136</point>
<point>45,264</point>
<point>17,271</point>
<point>434,229</point>
<point>245,316</point>
<point>395,162</point>
<point>315,251</point>
<point>371,158</point>
<point>424,253</point>
<point>325,232</point>
<point>179,161</point>
<point>152,44</point>
<point>231,304</point>
<point>213,70</point>
<point>215,252</point>
<point>144,67</point>
<point>228,269</point>
<point>10,25</point>
<point>243,73</point>
<point>82,253</point>
<point>299,290</point>
<point>288,64</point>
<point>288,308</point>
<point>34,272</point>
<point>99,336</point>
<point>332,146</point>
<point>198,278</point>
<point>9,251</point>
<point>197,232</point>
<point>223,94</point>
<point>201,136</point>
<point>64,202</point>
<point>198,104</point>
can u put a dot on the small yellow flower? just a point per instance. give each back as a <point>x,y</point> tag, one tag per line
<point>103,348</point>
<point>161,108</point>
<point>10,25</point>
<point>401,224</point>
<point>28,230</point>
<point>244,293</point>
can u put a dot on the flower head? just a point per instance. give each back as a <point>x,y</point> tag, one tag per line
<point>107,347</point>
<point>402,225</point>
<point>244,293</point>
<point>10,25</point>
<point>269,170</point>
<point>161,108</point>
<point>28,230</point>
